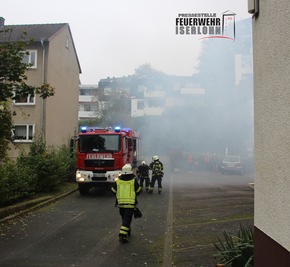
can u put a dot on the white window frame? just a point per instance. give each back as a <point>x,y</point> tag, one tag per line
<point>66,42</point>
<point>30,100</point>
<point>29,58</point>
<point>28,128</point>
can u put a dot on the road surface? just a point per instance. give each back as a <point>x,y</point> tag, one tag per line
<point>178,227</point>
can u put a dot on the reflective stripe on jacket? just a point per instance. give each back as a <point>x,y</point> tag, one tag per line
<point>157,168</point>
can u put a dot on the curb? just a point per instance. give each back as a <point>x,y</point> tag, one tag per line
<point>11,212</point>
<point>252,185</point>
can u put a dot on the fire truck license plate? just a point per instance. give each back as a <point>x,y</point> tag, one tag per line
<point>99,175</point>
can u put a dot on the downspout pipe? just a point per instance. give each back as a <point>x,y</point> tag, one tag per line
<point>42,83</point>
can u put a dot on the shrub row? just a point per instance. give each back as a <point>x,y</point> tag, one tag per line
<point>38,171</point>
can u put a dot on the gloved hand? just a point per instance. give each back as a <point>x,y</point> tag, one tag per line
<point>137,213</point>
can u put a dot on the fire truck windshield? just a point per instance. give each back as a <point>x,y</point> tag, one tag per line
<point>99,143</point>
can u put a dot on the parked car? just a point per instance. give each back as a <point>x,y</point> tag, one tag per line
<point>232,164</point>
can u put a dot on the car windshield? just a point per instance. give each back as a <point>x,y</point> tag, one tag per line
<point>232,159</point>
<point>99,143</point>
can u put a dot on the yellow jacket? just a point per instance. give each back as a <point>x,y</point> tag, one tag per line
<point>126,189</point>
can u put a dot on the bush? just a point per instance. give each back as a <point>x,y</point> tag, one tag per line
<point>46,169</point>
<point>51,166</point>
<point>66,164</point>
<point>15,182</point>
<point>41,170</point>
<point>236,250</point>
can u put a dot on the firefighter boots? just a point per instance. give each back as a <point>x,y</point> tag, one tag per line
<point>123,239</point>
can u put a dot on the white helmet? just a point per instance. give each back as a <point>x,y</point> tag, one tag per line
<point>155,157</point>
<point>127,169</point>
<point>143,162</point>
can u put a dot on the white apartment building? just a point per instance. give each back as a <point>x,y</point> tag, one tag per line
<point>152,104</point>
<point>89,104</point>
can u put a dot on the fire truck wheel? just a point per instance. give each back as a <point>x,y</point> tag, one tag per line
<point>84,189</point>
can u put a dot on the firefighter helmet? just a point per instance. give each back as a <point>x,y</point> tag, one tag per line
<point>143,162</point>
<point>155,157</point>
<point>127,169</point>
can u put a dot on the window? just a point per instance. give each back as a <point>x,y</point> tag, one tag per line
<point>29,100</point>
<point>87,107</point>
<point>140,104</point>
<point>66,42</point>
<point>23,133</point>
<point>99,143</point>
<point>124,144</point>
<point>31,58</point>
<point>156,103</point>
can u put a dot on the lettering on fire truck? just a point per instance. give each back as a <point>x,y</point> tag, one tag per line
<point>98,156</point>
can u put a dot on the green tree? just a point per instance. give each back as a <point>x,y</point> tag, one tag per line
<point>13,83</point>
<point>145,71</point>
<point>5,128</point>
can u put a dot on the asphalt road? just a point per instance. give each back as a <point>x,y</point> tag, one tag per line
<point>79,231</point>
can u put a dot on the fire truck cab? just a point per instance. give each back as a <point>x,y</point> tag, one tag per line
<point>102,152</point>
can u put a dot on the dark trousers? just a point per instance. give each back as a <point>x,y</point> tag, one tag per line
<point>155,178</point>
<point>127,215</point>
<point>147,182</point>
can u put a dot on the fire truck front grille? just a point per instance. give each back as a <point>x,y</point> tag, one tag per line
<point>99,163</point>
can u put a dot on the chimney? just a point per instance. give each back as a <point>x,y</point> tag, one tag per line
<point>2,21</point>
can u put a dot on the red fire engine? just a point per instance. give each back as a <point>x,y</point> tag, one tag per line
<point>101,154</point>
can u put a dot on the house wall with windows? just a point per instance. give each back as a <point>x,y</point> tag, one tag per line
<point>55,118</point>
<point>26,112</point>
<point>152,104</point>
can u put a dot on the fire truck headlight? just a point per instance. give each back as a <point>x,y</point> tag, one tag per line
<point>80,177</point>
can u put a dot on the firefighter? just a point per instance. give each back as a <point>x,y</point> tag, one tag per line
<point>156,167</point>
<point>143,175</point>
<point>126,188</point>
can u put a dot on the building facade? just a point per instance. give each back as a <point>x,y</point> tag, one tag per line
<point>54,61</point>
<point>89,104</point>
<point>271,39</point>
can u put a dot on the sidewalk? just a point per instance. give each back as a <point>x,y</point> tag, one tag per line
<point>10,212</point>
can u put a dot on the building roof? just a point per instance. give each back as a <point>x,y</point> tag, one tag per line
<point>36,32</point>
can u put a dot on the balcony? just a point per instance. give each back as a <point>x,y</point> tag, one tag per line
<point>88,98</point>
<point>88,114</point>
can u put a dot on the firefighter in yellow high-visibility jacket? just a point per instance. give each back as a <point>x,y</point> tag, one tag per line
<point>157,174</point>
<point>126,188</point>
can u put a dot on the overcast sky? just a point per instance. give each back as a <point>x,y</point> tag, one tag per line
<point>114,37</point>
